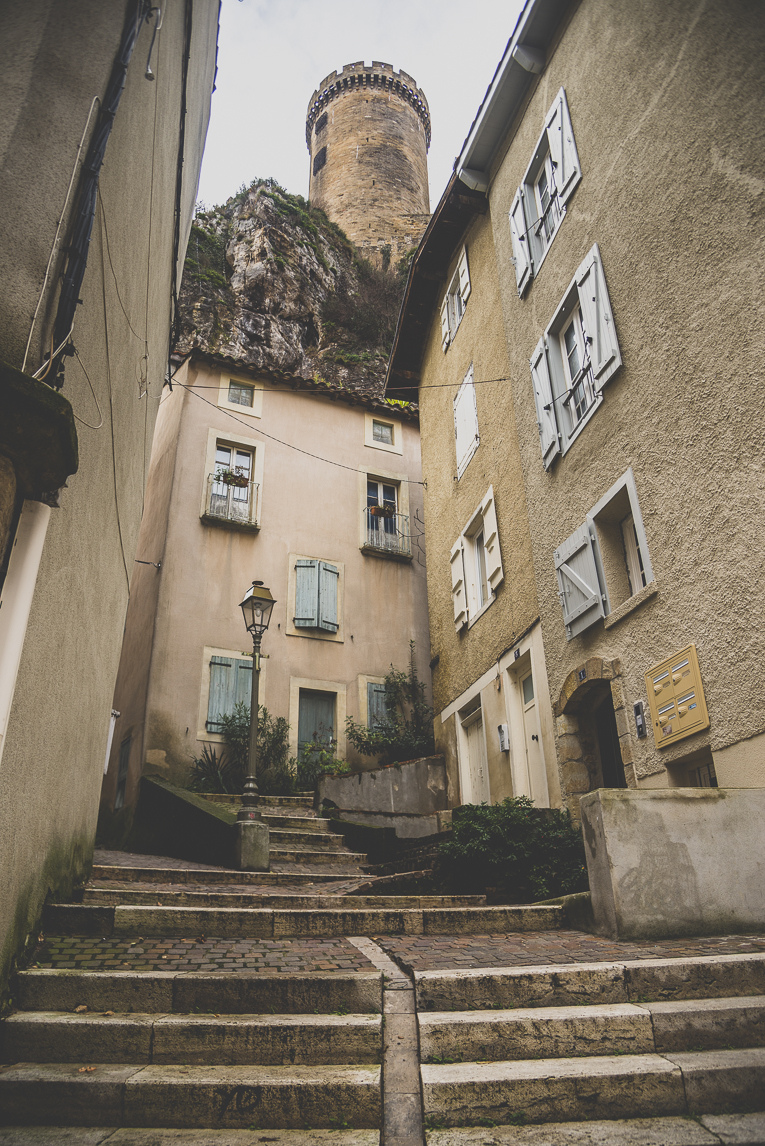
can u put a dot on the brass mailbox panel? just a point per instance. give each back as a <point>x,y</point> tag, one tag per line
<point>676,697</point>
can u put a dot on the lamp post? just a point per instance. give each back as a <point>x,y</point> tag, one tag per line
<point>252,833</point>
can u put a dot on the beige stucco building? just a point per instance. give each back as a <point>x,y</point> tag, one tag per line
<point>610,310</point>
<point>349,583</point>
<point>66,554</point>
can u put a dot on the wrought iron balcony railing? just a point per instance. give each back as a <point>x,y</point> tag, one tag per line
<point>235,504</point>
<point>387,532</point>
<point>582,394</point>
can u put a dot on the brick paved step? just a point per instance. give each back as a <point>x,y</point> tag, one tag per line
<point>161,1136</point>
<point>704,1130</point>
<point>265,923</point>
<point>269,1040</point>
<point>238,1097</point>
<point>313,857</point>
<point>627,981</point>
<point>577,1089</point>
<point>174,875</point>
<point>573,1032</point>
<point>204,898</point>
<point>166,992</point>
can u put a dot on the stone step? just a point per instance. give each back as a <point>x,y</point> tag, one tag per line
<point>162,1136</point>
<point>570,984</point>
<point>302,823</point>
<point>291,837</point>
<point>220,1039</point>
<point>167,992</point>
<point>702,1130</point>
<point>177,876</point>
<point>304,800</point>
<point>236,1097</point>
<point>313,857</point>
<point>574,1032</point>
<point>579,1089</point>
<point>266,923</point>
<point>147,898</point>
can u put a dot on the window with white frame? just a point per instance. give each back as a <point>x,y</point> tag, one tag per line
<point>382,432</point>
<point>231,492</point>
<point>476,564</point>
<point>540,202</point>
<point>605,562</point>
<point>240,394</point>
<point>574,359</point>
<point>466,434</point>
<point>455,300</point>
<point>386,528</point>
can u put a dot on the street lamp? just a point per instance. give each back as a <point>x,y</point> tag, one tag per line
<point>252,833</point>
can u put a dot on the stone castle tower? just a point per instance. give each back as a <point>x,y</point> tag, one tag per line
<point>368,134</point>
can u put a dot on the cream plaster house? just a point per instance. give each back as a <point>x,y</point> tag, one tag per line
<point>349,583</point>
<point>591,286</point>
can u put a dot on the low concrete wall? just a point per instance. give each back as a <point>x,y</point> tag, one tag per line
<point>677,861</point>
<point>407,796</point>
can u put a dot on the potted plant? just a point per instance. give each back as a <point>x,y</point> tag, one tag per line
<point>383,510</point>
<point>235,477</point>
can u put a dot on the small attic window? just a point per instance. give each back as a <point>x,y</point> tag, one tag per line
<point>319,159</point>
<point>321,123</point>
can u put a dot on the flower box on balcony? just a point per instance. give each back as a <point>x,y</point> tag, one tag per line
<point>388,511</point>
<point>233,477</point>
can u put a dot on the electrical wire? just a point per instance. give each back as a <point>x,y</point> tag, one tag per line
<point>58,232</point>
<point>95,399</point>
<point>257,429</point>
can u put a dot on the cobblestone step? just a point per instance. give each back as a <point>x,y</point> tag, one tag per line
<point>161,1136</point>
<point>227,1040</point>
<point>609,1087</point>
<point>701,1130</point>
<point>236,1097</point>
<point>573,1032</point>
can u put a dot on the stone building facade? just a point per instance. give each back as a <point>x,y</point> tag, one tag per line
<point>368,134</point>
<point>627,244</point>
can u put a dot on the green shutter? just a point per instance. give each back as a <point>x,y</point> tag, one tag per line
<point>306,594</point>
<point>221,701</point>
<point>377,710</point>
<point>316,718</point>
<point>243,691</point>
<point>328,578</point>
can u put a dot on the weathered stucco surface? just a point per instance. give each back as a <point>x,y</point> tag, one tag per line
<point>670,140</point>
<point>681,862</point>
<point>415,787</point>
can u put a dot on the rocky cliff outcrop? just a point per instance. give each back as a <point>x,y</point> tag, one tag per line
<point>272,285</point>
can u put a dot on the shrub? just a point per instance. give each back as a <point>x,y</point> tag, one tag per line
<point>526,853</point>
<point>407,730</point>
<point>278,780</point>
<point>273,746</point>
<point>213,773</point>
<point>317,760</point>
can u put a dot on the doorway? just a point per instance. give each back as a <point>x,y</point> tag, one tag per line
<point>474,777</point>
<point>316,719</point>
<point>611,764</point>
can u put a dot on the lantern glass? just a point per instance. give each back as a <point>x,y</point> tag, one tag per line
<point>257,607</point>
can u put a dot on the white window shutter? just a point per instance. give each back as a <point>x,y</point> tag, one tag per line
<point>560,136</point>
<point>457,563</point>
<point>464,276</point>
<point>549,438</point>
<point>328,579</point>
<point>598,318</point>
<point>306,594</point>
<point>521,244</point>
<point>579,588</point>
<point>465,423</point>
<point>445,333</point>
<point>494,571</point>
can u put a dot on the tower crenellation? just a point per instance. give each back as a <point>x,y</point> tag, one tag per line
<point>368,134</point>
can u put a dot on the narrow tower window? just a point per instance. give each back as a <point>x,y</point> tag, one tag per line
<point>321,123</point>
<point>319,159</point>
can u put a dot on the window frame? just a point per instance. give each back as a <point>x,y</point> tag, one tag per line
<point>333,686</point>
<point>556,156</point>
<point>208,652</point>
<point>220,439</point>
<point>400,483</point>
<point>465,563</point>
<point>394,447</point>
<point>309,632</point>
<point>459,288</point>
<point>253,411</point>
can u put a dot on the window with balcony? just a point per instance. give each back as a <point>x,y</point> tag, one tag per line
<point>232,495</point>
<point>386,530</point>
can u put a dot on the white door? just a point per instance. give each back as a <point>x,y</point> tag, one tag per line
<point>535,761</point>
<point>478,772</point>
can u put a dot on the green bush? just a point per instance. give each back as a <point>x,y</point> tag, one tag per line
<point>213,773</point>
<point>407,731</point>
<point>317,760</point>
<point>225,773</point>
<point>526,853</point>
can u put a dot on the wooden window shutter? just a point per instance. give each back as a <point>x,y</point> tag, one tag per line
<point>579,587</point>
<point>494,571</point>
<point>445,332</point>
<point>306,594</point>
<point>560,136</point>
<point>464,275</point>
<point>328,578</point>
<point>457,564</point>
<point>221,698</point>
<point>597,318</point>
<point>549,438</point>
<point>377,711</point>
<point>521,247</point>
<point>465,423</point>
<point>243,688</point>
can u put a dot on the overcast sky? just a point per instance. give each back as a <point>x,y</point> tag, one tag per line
<point>273,54</point>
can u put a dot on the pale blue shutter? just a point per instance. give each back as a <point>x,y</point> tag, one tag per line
<point>221,700</point>
<point>306,594</point>
<point>243,691</point>
<point>316,718</point>
<point>580,593</point>
<point>376,708</point>
<point>328,578</point>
